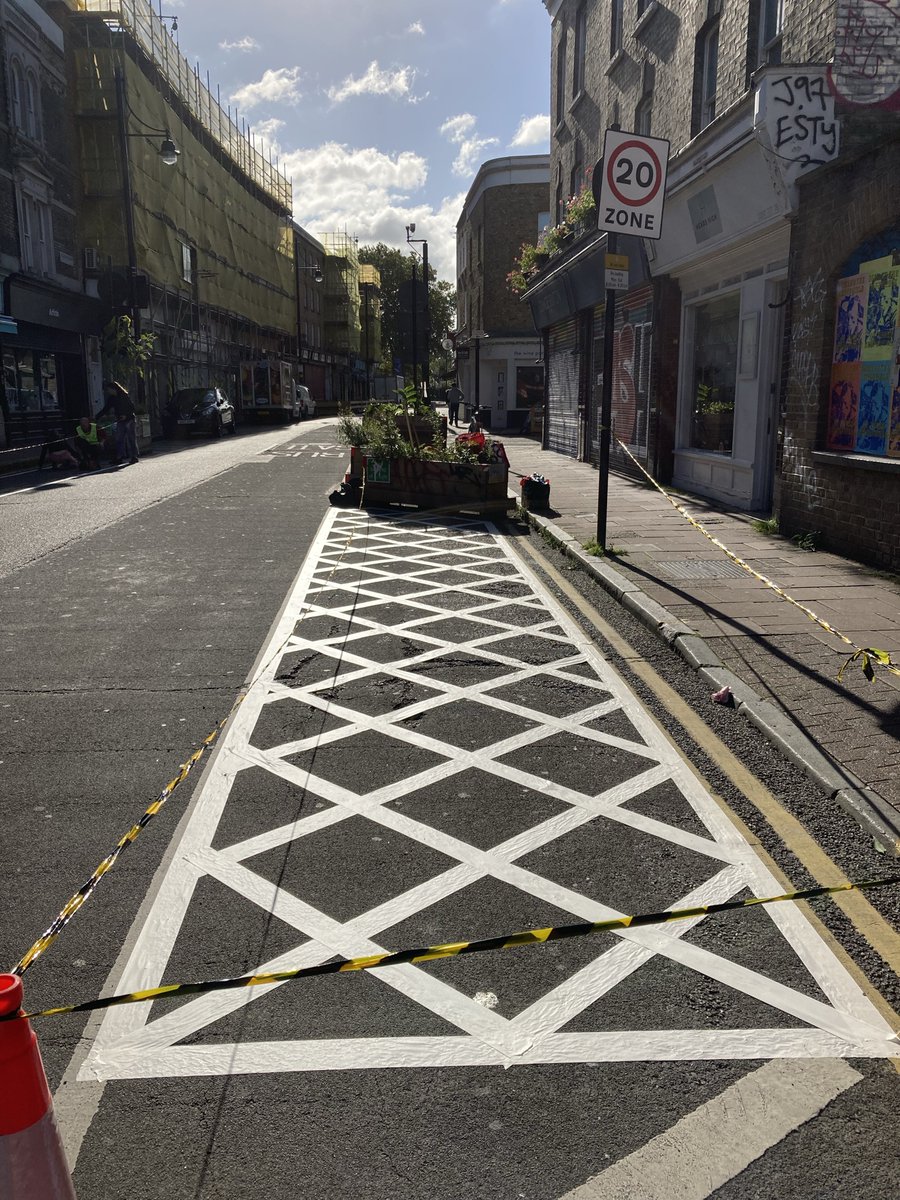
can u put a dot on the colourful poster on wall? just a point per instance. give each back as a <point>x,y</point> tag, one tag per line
<point>850,319</point>
<point>843,406</point>
<point>874,407</point>
<point>882,304</point>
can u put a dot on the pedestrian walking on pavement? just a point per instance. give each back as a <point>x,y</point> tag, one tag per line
<point>119,403</point>
<point>454,399</point>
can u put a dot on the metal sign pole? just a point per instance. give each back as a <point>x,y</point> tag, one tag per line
<point>629,186</point>
<point>609,324</point>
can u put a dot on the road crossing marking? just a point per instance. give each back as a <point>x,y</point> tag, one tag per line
<point>713,1144</point>
<point>424,603</point>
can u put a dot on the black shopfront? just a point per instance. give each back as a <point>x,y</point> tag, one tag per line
<point>45,384</point>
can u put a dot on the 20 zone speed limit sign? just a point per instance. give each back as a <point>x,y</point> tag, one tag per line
<point>633,184</point>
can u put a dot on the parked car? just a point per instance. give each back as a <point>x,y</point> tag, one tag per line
<point>203,410</point>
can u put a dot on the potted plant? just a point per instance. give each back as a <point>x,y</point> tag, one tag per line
<point>400,455</point>
<point>581,211</point>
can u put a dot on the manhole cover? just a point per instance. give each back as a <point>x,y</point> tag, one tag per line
<point>701,569</point>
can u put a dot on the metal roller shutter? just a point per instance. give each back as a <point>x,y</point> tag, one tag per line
<point>562,399</point>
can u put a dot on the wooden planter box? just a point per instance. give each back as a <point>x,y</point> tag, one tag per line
<point>451,487</point>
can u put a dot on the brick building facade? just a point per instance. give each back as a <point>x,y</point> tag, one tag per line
<point>498,349</point>
<point>844,485</point>
<point>781,125</point>
<point>48,325</point>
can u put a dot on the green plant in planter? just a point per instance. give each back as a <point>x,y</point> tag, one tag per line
<point>581,209</point>
<point>550,240</point>
<point>524,266</point>
<point>378,433</point>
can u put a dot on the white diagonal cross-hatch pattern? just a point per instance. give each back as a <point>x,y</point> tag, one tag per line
<point>429,693</point>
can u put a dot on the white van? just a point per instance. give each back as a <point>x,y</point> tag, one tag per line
<point>306,403</point>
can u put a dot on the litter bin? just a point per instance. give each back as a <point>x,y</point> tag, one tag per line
<point>535,493</point>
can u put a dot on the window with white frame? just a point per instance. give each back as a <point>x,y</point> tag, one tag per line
<point>580,44</point>
<point>616,26</point>
<point>713,375</point>
<point>17,94</point>
<point>771,19</point>
<point>643,114</point>
<point>32,124</point>
<point>561,75</point>
<point>36,234</point>
<point>706,75</point>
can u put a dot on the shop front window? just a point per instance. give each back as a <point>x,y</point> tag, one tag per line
<point>529,386</point>
<point>49,384</point>
<point>29,398</point>
<point>714,373</point>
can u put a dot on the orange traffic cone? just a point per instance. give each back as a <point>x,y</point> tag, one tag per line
<point>32,1161</point>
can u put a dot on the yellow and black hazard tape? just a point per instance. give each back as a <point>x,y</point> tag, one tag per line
<point>451,949</point>
<point>74,903</point>
<point>71,907</point>
<point>865,655</point>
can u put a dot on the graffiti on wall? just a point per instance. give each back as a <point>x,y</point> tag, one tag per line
<point>797,115</point>
<point>631,385</point>
<point>866,67</point>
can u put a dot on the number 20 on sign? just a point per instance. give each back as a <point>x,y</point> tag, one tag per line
<point>633,184</point>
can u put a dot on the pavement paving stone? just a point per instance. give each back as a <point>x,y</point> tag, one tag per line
<point>780,652</point>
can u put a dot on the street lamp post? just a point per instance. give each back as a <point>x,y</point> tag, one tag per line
<point>317,277</point>
<point>366,289</point>
<point>477,337</point>
<point>426,316</point>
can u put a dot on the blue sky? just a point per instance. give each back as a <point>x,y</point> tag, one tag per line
<point>380,110</point>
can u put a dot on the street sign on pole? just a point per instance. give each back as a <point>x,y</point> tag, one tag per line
<point>616,267</point>
<point>633,184</point>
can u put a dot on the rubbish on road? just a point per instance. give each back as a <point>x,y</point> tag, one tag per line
<point>528,937</point>
<point>32,1161</point>
<point>723,696</point>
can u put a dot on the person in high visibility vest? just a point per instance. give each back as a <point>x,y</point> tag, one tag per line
<point>89,443</point>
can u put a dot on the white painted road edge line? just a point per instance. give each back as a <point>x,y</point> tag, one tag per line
<point>713,1144</point>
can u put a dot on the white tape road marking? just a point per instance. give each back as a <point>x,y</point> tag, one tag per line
<point>713,1144</point>
<point>433,592</point>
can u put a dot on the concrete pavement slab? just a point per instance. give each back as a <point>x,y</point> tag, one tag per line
<point>762,638</point>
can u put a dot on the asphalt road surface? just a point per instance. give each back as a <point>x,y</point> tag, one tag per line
<point>434,747</point>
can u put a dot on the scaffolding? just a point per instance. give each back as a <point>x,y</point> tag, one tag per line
<point>137,18</point>
<point>341,309</point>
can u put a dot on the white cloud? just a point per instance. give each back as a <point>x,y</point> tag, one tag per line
<point>417,27</point>
<point>460,130</point>
<point>372,196</point>
<point>244,44</point>
<point>281,86</point>
<point>375,82</point>
<point>532,131</point>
